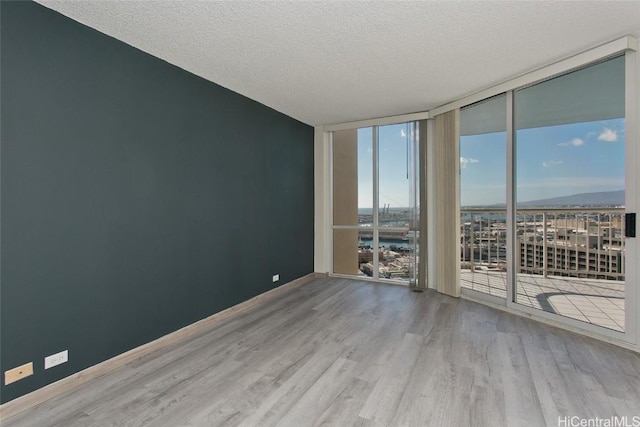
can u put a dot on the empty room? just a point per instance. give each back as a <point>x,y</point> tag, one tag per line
<point>284,213</point>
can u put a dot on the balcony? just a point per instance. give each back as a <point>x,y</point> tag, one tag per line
<point>570,261</point>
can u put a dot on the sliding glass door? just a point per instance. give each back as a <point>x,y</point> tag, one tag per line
<point>543,190</point>
<point>569,141</point>
<point>483,197</point>
<point>375,202</point>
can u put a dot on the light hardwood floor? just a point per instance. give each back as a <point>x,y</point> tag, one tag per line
<point>345,353</point>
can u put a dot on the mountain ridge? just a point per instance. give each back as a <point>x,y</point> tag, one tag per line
<point>599,198</point>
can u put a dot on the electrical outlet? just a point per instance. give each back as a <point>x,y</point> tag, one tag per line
<point>276,277</point>
<point>56,359</point>
<point>16,374</point>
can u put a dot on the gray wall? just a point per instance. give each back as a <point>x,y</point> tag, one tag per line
<point>136,198</point>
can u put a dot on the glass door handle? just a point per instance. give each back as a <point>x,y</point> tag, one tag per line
<point>630,225</point>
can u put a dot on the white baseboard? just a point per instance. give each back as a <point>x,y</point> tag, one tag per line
<point>71,382</point>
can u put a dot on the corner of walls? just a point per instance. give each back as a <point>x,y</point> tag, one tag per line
<point>322,202</point>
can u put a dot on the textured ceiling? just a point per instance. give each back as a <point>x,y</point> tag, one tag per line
<point>326,62</point>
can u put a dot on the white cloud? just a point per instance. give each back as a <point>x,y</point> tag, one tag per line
<point>576,142</point>
<point>608,135</point>
<point>464,161</point>
<point>403,133</point>
<point>551,163</point>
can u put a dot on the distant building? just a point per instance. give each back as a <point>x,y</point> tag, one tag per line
<point>574,246</point>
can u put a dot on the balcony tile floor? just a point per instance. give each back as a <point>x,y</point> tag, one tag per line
<point>600,302</point>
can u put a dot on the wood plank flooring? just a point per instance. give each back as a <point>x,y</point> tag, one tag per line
<point>348,353</point>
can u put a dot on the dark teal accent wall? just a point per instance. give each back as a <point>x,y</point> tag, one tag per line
<point>136,198</point>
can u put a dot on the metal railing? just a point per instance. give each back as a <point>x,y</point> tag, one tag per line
<point>569,242</point>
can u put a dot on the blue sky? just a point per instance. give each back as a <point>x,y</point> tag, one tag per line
<point>394,185</point>
<point>551,161</point>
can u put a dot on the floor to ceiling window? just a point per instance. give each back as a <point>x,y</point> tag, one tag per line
<point>483,193</point>
<point>540,171</point>
<point>565,167</point>
<point>375,202</point>
<point>570,193</point>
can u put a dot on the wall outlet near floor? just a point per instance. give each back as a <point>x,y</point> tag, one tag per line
<point>16,374</point>
<point>276,277</point>
<point>56,359</point>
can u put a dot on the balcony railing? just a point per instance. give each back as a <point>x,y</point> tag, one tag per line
<point>568,242</point>
<point>569,261</point>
